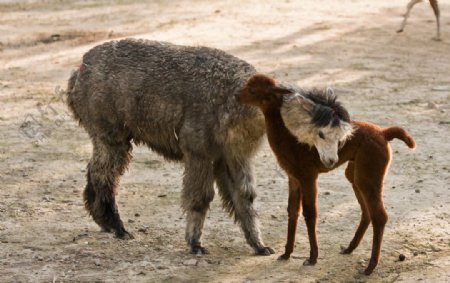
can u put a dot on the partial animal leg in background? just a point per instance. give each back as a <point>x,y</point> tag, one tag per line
<point>365,216</point>
<point>408,10</point>
<point>107,164</point>
<point>236,186</point>
<point>294,208</point>
<point>434,5</point>
<point>198,192</point>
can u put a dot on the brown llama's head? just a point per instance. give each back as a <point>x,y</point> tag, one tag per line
<point>263,92</point>
<point>325,124</point>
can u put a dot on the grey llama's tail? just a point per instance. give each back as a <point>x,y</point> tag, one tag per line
<point>69,92</point>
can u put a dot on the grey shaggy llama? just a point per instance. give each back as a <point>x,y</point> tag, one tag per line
<point>180,101</point>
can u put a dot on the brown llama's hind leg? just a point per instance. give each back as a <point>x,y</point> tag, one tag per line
<point>369,179</point>
<point>370,167</point>
<point>379,218</point>
<point>365,217</point>
<point>309,203</point>
<point>294,208</point>
<point>108,162</point>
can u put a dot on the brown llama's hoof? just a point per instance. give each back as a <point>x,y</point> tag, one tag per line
<point>283,257</point>
<point>309,262</point>
<point>345,251</point>
<point>436,38</point>
<point>366,271</point>
<point>265,251</point>
<point>400,30</point>
<point>371,267</point>
<point>199,250</point>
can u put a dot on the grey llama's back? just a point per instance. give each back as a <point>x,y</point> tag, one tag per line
<point>179,101</point>
<point>158,93</point>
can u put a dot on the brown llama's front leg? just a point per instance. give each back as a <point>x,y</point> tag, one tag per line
<point>309,203</point>
<point>108,162</point>
<point>198,192</point>
<point>365,217</point>
<point>294,208</point>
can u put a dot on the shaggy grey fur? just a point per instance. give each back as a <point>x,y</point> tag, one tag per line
<point>180,102</point>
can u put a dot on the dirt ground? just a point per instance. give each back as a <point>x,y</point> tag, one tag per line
<point>381,76</point>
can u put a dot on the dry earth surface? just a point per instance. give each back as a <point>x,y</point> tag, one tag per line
<point>381,76</point>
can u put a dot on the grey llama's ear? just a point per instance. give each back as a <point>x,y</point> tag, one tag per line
<point>306,103</point>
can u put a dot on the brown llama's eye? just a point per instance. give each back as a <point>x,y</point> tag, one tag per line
<point>321,135</point>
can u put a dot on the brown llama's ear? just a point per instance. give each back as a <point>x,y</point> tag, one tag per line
<point>306,103</point>
<point>261,79</point>
<point>281,90</point>
<point>330,91</point>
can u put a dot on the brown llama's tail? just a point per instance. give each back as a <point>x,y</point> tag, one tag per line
<point>399,133</point>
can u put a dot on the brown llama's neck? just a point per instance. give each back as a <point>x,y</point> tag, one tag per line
<point>282,142</point>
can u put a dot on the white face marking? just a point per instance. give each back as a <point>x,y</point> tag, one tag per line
<point>327,142</point>
<point>295,113</point>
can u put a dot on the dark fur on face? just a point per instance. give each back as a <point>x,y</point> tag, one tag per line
<point>327,111</point>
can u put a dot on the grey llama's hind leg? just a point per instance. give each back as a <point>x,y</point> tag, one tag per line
<point>108,162</point>
<point>198,192</point>
<point>235,182</point>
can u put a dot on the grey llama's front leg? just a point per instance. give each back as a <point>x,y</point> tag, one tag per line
<point>198,192</point>
<point>236,187</point>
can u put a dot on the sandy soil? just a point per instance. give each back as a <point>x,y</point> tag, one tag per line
<point>381,76</point>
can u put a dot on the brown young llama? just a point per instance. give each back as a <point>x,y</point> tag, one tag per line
<point>367,152</point>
